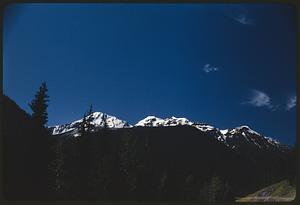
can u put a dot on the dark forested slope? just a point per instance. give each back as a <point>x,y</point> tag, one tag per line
<point>138,163</point>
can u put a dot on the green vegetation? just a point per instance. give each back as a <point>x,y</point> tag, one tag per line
<point>279,192</point>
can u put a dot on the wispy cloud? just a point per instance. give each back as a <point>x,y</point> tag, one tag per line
<point>260,99</point>
<point>291,103</point>
<point>240,14</point>
<point>208,68</point>
<point>244,19</point>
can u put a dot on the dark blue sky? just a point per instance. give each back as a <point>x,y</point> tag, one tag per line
<point>226,65</point>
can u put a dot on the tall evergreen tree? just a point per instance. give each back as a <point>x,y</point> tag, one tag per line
<point>104,117</point>
<point>89,120</point>
<point>83,166</point>
<point>86,125</point>
<point>39,106</point>
<point>40,144</point>
<point>82,128</point>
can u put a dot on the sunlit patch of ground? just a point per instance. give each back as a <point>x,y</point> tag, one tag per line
<point>279,192</point>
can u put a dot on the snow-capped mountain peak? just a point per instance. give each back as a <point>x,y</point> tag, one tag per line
<point>242,135</point>
<point>243,128</point>
<point>98,119</point>
<point>152,121</point>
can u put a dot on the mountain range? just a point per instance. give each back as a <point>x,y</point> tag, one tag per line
<point>235,138</point>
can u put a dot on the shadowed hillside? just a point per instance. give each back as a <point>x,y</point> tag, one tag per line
<point>180,163</point>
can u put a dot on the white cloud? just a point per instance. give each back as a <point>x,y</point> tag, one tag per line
<point>208,68</point>
<point>244,19</point>
<point>260,99</point>
<point>291,103</point>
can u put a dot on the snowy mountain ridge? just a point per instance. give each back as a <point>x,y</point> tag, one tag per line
<point>233,138</point>
<point>152,121</point>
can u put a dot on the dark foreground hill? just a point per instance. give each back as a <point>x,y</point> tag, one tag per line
<point>173,163</point>
<point>25,154</point>
<point>138,164</point>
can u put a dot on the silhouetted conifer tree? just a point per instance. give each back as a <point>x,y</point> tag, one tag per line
<point>86,125</point>
<point>89,120</point>
<point>40,144</point>
<point>85,155</point>
<point>39,106</point>
<point>104,118</point>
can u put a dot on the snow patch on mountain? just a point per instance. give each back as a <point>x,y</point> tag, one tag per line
<point>224,132</point>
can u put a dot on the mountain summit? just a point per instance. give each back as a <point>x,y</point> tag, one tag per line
<point>152,121</point>
<point>98,120</point>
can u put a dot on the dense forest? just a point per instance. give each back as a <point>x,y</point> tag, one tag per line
<point>134,164</point>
